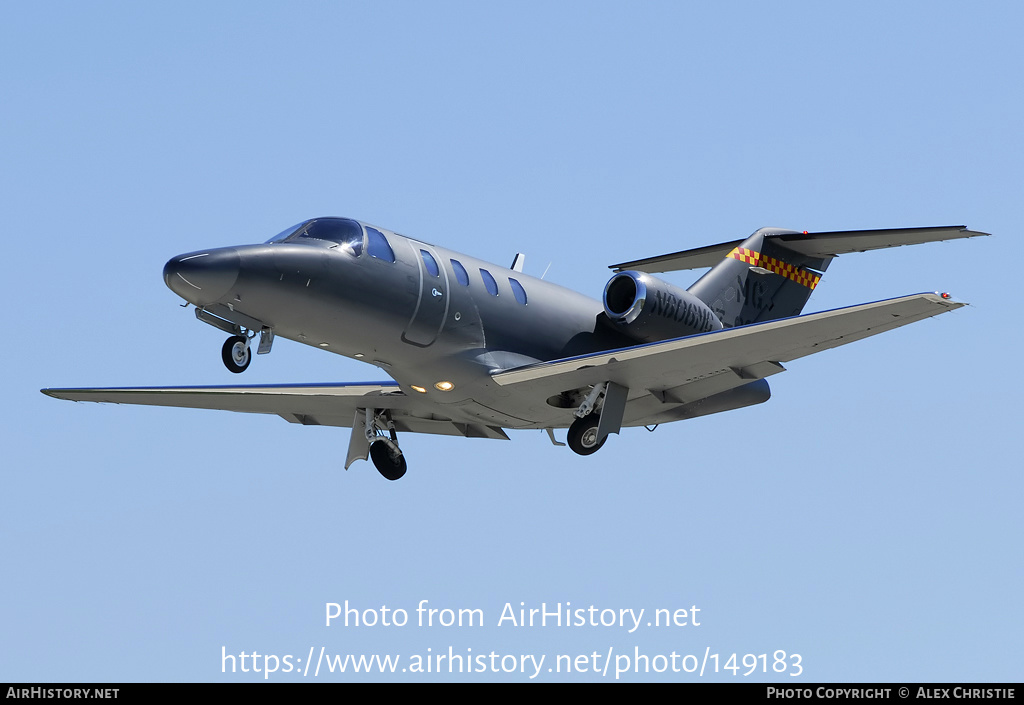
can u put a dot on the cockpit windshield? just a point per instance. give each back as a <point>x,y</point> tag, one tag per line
<point>283,235</point>
<point>344,232</point>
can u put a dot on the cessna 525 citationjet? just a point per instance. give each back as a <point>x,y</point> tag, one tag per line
<point>475,348</point>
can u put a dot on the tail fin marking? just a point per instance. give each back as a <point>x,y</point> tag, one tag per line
<point>759,280</point>
<point>806,277</point>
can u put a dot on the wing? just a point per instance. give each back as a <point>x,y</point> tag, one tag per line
<point>307,404</point>
<point>659,376</point>
<point>814,245</point>
<point>688,369</point>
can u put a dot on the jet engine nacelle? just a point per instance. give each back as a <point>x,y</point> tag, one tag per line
<point>649,309</point>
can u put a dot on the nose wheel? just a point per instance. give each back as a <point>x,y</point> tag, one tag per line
<point>236,353</point>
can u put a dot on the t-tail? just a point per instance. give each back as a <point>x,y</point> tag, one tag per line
<point>760,280</point>
<point>773,272</point>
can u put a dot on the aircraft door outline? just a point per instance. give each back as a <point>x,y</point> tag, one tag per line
<point>432,305</point>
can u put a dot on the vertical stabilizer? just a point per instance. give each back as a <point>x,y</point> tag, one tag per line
<point>760,280</point>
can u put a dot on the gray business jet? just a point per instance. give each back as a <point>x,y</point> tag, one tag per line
<point>474,348</point>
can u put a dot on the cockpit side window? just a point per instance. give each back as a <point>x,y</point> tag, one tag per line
<point>345,232</point>
<point>377,245</point>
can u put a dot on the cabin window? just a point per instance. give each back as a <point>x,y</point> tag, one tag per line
<point>430,264</point>
<point>461,275</point>
<point>517,290</point>
<point>489,283</point>
<point>377,245</point>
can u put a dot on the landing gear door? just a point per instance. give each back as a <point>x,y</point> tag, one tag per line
<point>432,307</point>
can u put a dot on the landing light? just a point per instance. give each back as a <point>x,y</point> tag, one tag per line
<point>444,386</point>
<point>421,390</point>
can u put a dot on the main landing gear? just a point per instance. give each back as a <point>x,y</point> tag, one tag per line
<point>606,401</point>
<point>389,461</point>
<point>583,438</point>
<point>387,457</point>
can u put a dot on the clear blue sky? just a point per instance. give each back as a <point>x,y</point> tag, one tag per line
<point>867,518</point>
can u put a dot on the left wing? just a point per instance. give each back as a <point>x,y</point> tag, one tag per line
<point>696,367</point>
<point>307,404</point>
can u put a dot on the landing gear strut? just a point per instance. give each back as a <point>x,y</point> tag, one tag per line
<point>387,457</point>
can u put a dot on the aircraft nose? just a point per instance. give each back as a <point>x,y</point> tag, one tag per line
<point>202,278</point>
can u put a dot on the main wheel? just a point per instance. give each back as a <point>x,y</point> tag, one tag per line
<point>390,466</point>
<point>236,354</point>
<point>582,436</point>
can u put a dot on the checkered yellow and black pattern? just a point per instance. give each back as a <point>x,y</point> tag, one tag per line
<point>756,259</point>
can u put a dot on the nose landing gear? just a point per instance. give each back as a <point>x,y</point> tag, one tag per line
<point>237,350</point>
<point>236,354</point>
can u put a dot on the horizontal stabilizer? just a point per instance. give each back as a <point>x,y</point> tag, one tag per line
<point>814,245</point>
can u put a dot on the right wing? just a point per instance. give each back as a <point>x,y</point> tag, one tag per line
<point>688,369</point>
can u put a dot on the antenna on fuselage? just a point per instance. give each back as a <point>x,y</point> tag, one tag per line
<point>517,263</point>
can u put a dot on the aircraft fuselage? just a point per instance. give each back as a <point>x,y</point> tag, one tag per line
<point>429,317</point>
